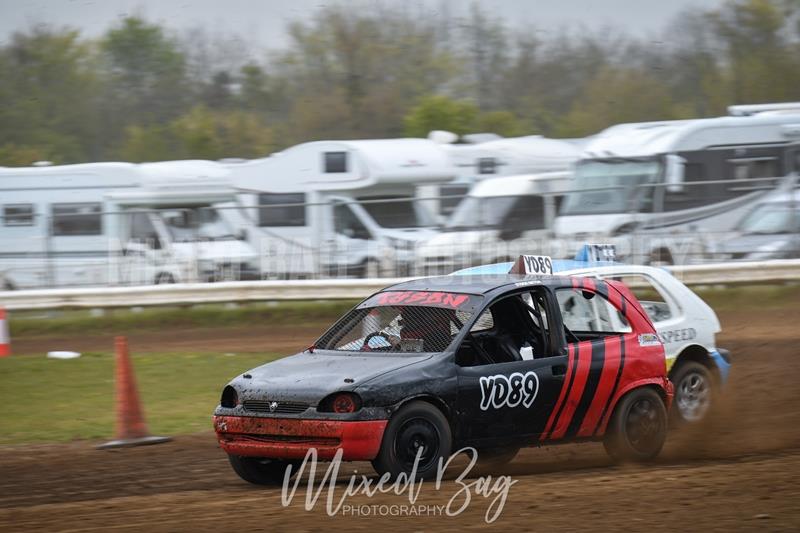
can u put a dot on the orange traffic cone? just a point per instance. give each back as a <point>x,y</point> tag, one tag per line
<point>5,339</point>
<point>131,429</point>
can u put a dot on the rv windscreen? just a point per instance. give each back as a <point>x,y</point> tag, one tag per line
<point>193,224</point>
<point>612,186</point>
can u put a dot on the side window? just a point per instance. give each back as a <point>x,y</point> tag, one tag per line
<point>450,197</point>
<point>18,215</point>
<point>484,322</point>
<point>77,219</point>
<point>587,315</point>
<point>513,328</point>
<point>141,227</point>
<point>346,223</point>
<point>487,165</point>
<point>335,162</point>
<point>649,295</point>
<point>281,210</point>
<point>527,213</point>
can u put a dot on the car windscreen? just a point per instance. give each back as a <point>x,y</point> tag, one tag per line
<point>772,219</point>
<point>402,322</point>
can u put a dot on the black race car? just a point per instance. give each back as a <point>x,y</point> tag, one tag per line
<point>423,368</point>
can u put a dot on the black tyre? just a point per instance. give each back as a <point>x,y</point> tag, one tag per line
<point>661,257</point>
<point>164,278</point>
<point>496,457</point>
<point>417,425</point>
<point>638,427</point>
<point>694,393</point>
<point>259,471</point>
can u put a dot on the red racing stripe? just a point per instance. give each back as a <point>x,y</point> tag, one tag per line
<point>584,356</point>
<point>604,388</point>
<point>564,389</point>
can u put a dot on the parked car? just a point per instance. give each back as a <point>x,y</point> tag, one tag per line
<point>770,230</point>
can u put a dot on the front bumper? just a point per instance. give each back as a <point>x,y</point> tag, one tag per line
<point>722,359</point>
<point>291,438</point>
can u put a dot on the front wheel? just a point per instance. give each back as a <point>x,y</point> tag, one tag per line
<point>638,427</point>
<point>694,392</point>
<point>418,434</point>
<point>259,471</point>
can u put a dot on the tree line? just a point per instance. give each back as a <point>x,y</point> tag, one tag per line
<point>143,92</point>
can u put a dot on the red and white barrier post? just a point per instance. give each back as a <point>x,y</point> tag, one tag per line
<point>5,339</point>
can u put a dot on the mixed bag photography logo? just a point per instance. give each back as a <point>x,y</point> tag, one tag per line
<point>344,496</point>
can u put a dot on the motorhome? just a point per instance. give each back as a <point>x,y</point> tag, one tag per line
<point>477,157</point>
<point>652,188</point>
<point>501,218</point>
<point>118,224</point>
<point>338,207</point>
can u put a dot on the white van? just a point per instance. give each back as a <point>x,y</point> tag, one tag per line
<point>652,188</point>
<point>118,223</point>
<point>501,218</point>
<point>339,207</point>
<point>485,156</point>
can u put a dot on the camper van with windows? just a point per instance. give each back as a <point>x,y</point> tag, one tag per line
<point>338,208</point>
<point>483,156</point>
<point>118,224</point>
<point>652,188</point>
<point>501,218</point>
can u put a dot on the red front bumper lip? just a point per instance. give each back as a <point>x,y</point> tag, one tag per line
<point>291,438</point>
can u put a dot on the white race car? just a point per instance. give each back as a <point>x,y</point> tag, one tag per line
<point>686,324</point>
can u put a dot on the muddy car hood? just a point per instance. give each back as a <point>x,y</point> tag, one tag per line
<point>309,377</point>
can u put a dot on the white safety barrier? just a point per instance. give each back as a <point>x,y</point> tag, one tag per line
<point>332,289</point>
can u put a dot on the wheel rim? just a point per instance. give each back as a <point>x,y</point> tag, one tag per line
<point>693,396</point>
<point>414,434</point>
<point>644,425</point>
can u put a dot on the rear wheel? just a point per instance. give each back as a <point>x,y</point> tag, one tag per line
<point>417,430</point>
<point>258,470</point>
<point>638,427</point>
<point>164,278</point>
<point>694,392</point>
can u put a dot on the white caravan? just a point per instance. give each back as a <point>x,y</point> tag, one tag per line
<point>339,207</point>
<point>502,217</point>
<point>483,156</point>
<point>117,223</point>
<point>651,188</point>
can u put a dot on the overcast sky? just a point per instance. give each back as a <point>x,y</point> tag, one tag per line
<point>263,22</point>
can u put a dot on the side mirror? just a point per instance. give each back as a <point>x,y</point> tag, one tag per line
<point>673,174</point>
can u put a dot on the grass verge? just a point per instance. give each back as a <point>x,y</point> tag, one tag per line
<point>52,400</point>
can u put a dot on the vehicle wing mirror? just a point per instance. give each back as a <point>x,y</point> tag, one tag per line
<point>673,173</point>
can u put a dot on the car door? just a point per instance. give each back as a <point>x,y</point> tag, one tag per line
<point>504,399</point>
<point>597,334</point>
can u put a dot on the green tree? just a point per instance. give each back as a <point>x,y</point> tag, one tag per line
<point>615,96</point>
<point>441,113</point>
<point>354,73</point>
<point>48,98</point>
<point>200,133</point>
<point>764,64</point>
<point>147,73</point>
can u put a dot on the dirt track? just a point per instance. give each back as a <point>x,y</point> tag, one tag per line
<point>741,471</point>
